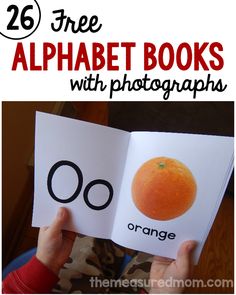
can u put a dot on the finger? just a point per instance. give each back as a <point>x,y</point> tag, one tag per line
<point>161,259</point>
<point>43,229</point>
<point>69,235</point>
<point>184,255</point>
<point>59,221</point>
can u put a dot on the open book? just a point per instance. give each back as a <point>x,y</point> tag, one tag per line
<point>148,191</point>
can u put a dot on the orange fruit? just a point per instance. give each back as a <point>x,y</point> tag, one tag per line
<point>163,188</point>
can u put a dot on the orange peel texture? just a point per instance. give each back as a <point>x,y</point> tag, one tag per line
<point>163,188</point>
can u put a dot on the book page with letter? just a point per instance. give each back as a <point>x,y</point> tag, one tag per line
<point>78,165</point>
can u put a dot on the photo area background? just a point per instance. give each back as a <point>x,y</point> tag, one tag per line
<point>217,118</point>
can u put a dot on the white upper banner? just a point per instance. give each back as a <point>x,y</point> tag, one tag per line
<point>117,50</point>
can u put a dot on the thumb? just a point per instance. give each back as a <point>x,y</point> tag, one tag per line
<point>59,221</point>
<point>184,255</point>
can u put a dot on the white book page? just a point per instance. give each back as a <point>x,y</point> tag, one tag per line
<point>210,160</point>
<point>99,152</point>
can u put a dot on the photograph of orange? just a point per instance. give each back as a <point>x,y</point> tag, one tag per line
<point>163,188</point>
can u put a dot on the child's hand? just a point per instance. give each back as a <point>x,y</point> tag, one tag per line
<point>55,244</point>
<point>167,269</point>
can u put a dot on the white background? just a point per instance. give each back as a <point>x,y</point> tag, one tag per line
<point>139,21</point>
<point>125,21</point>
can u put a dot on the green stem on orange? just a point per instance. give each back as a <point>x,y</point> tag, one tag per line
<point>161,165</point>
